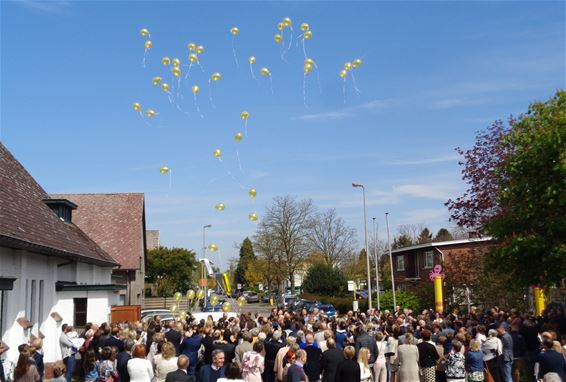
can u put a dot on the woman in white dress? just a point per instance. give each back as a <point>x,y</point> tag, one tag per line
<point>139,368</point>
<point>379,368</point>
<point>365,371</point>
<point>167,362</point>
<point>409,360</point>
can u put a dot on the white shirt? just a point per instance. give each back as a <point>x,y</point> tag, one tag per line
<point>165,366</point>
<point>140,370</point>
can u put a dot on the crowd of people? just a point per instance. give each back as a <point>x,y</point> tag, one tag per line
<point>400,346</point>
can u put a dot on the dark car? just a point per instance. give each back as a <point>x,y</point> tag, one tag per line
<point>305,304</point>
<point>287,301</point>
<point>270,296</point>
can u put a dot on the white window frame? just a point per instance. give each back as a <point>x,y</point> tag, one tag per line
<point>400,263</point>
<point>428,255</point>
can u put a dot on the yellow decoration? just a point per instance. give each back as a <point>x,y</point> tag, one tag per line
<point>165,60</point>
<point>200,49</point>
<point>271,301</point>
<point>216,76</point>
<point>192,46</point>
<point>200,294</point>
<point>438,299</point>
<point>173,308</point>
<point>307,68</point>
<point>220,206</point>
<point>244,115</point>
<point>176,72</point>
<point>213,300</point>
<point>136,106</point>
<point>307,35</point>
<point>213,248</point>
<point>241,301</point>
<point>182,315</point>
<point>165,87</point>
<point>305,27</point>
<point>252,217</point>
<point>164,170</point>
<point>156,80</point>
<point>309,61</point>
<point>149,113</point>
<point>278,38</point>
<point>252,193</point>
<point>264,72</point>
<point>348,66</point>
<point>195,89</point>
<point>280,26</point>
<point>193,58</point>
<point>343,73</point>
<point>251,60</point>
<point>287,22</point>
<point>226,283</point>
<point>176,62</point>
<point>217,153</point>
<point>357,63</point>
<point>226,306</point>
<point>178,296</point>
<point>148,44</point>
<point>238,137</point>
<point>540,303</point>
<point>144,32</point>
<point>235,31</point>
<point>190,294</point>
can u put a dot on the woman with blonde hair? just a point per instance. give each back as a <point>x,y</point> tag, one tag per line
<point>167,363</point>
<point>474,362</point>
<point>365,372</point>
<point>379,367</point>
<point>408,360</point>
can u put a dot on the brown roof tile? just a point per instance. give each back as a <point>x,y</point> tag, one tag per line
<point>114,221</point>
<point>27,222</point>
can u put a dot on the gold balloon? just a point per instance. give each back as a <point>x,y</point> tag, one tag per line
<point>165,60</point>
<point>305,27</point>
<point>213,300</point>
<point>252,217</point>
<point>309,61</point>
<point>308,35</point>
<point>195,89</point>
<point>200,293</point>
<point>213,248</point>
<point>193,58</point>
<point>244,115</point>
<point>241,301</point>
<point>226,306</point>
<point>278,38</point>
<point>149,113</point>
<point>144,32</point>
<point>220,206</point>
<point>182,315</point>
<point>190,294</point>
<point>252,193</point>
<point>217,153</point>
<point>176,72</point>
<point>148,44</point>
<point>192,46</point>
<point>307,67</point>
<point>173,308</point>
<point>178,296</point>
<point>343,73</point>
<point>136,106</point>
<point>164,170</point>
<point>280,26</point>
<point>226,283</point>
<point>216,76</point>
<point>238,137</point>
<point>264,72</point>
<point>176,62</point>
<point>348,66</point>
<point>234,31</point>
<point>165,87</point>
<point>251,60</point>
<point>287,22</point>
<point>200,49</point>
<point>156,80</point>
<point>357,63</point>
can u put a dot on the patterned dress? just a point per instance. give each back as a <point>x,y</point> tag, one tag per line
<point>455,366</point>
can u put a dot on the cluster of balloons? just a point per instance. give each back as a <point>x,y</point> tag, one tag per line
<point>348,66</point>
<point>144,32</point>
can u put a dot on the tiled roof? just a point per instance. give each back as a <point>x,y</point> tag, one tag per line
<point>115,222</point>
<point>26,222</point>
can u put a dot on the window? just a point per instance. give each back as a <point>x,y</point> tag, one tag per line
<point>400,263</point>
<point>32,310</point>
<point>428,260</point>
<point>41,296</point>
<point>80,311</point>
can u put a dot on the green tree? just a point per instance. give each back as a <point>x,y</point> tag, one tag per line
<point>325,280</point>
<point>406,300</point>
<point>247,256</point>
<point>425,236</point>
<point>172,269</point>
<point>443,235</point>
<point>402,241</point>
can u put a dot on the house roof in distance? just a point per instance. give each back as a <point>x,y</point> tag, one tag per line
<point>115,221</point>
<point>26,222</point>
<point>443,244</point>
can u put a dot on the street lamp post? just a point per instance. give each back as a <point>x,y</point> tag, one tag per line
<point>355,185</point>
<point>204,257</point>
<point>376,263</point>
<point>391,261</point>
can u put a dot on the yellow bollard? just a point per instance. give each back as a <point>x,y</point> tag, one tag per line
<point>539,300</point>
<point>226,282</point>
<point>438,300</point>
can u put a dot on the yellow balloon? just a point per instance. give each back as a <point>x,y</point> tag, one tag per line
<point>176,72</point>
<point>144,32</point>
<point>156,80</point>
<point>176,62</point>
<point>217,153</point>
<point>195,89</point>
<point>164,170</point>
<point>309,61</point>
<point>220,206</point>
<point>213,300</point>
<point>251,60</point>
<point>348,66</point>
<point>183,315</point>
<point>150,113</point>
<point>252,193</point>
<point>234,31</point>
<point>191,46</point>
<point>357,63</point>
<point>213,248</point>
<point>136,106</point>
<point>148,44</point>
<point>200,49</point>
<point>343,73</point>
<point>216,76</point>
<point>173,308</point>
<point>252,217</point>
<point>178,296</point>
<point>305,27</point>
<point>226,306</point>
<point>244,115</point>
<point>199,294</point>
<point>238,137</point>
<point>226,283</point>
<point>307,35</point>
<point>166,60</point>
<point>264,72</point>
<point>287,22</point>
<point>307,67</point>
<point>190,294</point>
<point>241,301</point>
<point>165,87</point>
<point>280,26</point>
<point>193,58</point>
<point>278,38</point>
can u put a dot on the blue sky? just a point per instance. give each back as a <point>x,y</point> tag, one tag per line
<point>433,74</point>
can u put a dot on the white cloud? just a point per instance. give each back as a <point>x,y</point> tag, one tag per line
<point>51,6</point>
<point>374,105</point>
<point>426,191</point>
<point>427,216</point>
<point>438,159</point>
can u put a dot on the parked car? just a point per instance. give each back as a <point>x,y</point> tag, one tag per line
<point>328,309</point>
<point>305,304</point>
<point>270,295</point>
<point>287,301</point>
<point>250,296</point>
<point>146,313</point>
<point>165,317</point>
<point>209,308</point>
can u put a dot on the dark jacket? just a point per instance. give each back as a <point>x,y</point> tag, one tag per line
<point>551,362</point>
<point>348,370</point>
<point>122,365</point>
<point>313,366</point>
<point>174,337</point>
<point>38,358</point>
<point>228,349</point>
<point>178,376</point>
<point>428,356</point>
<point>271,349</point>
<point>364,340</point>
<point>330,361</point>
<point>207,374</point>
<point>296,373</point>
<point>519,346</point>
<point>114,342</point>
<point>208,348</point>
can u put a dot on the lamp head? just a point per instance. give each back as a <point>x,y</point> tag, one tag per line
<point>207,226</point>
<point>357,185</point>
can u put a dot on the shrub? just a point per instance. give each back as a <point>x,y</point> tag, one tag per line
<point>325,280</point>
<point>406,300</point>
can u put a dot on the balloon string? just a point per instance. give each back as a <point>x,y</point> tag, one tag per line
<point>234,51</point>
<point>188,70</point>
<point>196,105</point>
<point>271,83</point>
<point>239,163</point>
<point>252,71</point>
<point>246,127</point>
<point>354,81</point>
<point>304,50</point>
<point>344,90</point>
<point>144,57</point>
<point>305,89</point>
<point>291,39</point>
<point>201,67</point>
<point>230,174</point>
<point>210,94</point>
<point>145,120</point>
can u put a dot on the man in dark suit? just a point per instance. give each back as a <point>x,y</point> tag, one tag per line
<point>180,375</point>
<point>38,356</point>
<point>550,361</point>
<point>271,348</point>
<point>314,357</point>
<point>174,336</point>
<point>114,340</point>
<point>122,361</point>
<point>330,361</point>
<point>296,372</point>
<point>211,373</point>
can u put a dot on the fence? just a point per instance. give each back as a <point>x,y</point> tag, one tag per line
<point>164,303</point>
